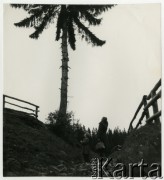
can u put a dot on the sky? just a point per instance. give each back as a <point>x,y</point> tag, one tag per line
<point>103,81</point>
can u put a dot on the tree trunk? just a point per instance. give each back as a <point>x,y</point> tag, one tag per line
<point>64,67</point>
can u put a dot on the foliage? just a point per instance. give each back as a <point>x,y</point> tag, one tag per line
<point>41,16</point>
<point>115,137</point>
<point>73,132</point>
<point>69,18</point>
<point>68,128</point>
<point>112,139</point>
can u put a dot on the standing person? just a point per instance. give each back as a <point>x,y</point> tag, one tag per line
<point>101,134</point>
<point>86,149</point>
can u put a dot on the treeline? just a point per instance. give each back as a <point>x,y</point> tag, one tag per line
<point>113,138</point>
<point>73,132</point>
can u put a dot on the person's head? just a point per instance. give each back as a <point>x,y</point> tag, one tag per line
<point>104,119</point>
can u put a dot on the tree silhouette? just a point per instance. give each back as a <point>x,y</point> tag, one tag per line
<point>68,19</point>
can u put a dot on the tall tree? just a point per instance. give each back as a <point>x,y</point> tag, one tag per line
<point>69,18</point>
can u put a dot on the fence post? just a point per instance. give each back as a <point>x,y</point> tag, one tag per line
<point>155,107</point>
<point>3,102</point>
<point>36,114</point>
<point>145,103</point>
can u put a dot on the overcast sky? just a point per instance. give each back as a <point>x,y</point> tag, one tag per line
<point>103,81</point>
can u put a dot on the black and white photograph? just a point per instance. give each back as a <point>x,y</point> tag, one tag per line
<point>82,90</point>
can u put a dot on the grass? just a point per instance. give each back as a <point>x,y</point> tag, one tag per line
<point>143,143</point>
<point>30,149</point>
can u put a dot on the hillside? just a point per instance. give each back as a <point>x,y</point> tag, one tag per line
<point>30,149</point>
<point>143,143</point>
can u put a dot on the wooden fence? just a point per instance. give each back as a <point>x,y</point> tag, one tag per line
<point>146,103</point>
<point>35,109</point>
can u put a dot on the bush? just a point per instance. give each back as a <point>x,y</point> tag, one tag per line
<point>67,128</point>
<point>70,130</point>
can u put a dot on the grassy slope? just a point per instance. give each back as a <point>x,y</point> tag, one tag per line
<point>30,149</point>
<point>144,143</point>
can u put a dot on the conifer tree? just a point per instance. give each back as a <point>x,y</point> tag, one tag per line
<point>69,18</point>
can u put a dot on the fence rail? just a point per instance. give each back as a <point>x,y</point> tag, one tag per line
<point>35,110</point>
<point>152,98</point>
